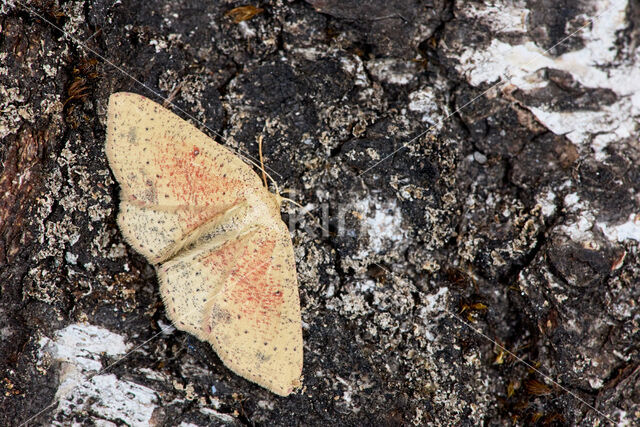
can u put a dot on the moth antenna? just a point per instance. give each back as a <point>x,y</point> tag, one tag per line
<point>292,202</point>
<point>265,174</point>
<point>251,162</point>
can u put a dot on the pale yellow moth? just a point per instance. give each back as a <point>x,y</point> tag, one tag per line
<point>212,230</point>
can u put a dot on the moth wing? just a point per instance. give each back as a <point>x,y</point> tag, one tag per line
<point>255,319</point>
<point>251,312</point>
<point>173,178</point>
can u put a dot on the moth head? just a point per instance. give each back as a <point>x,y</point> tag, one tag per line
<point>278,199</point>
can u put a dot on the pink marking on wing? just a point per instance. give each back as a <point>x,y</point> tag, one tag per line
<point>195,184</point>
<point>256,293</point>
<point>251,293</point>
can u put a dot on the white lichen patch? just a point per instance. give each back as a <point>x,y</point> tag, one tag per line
<point>354,66</point>
<point>580,226</point>
<point>393,71</point>
<point>424,101</point>
<point>433,306</point>
<point>78,348</point>
<point>111,399</point>
<point>434,303</point>
<point>547,203</point>
<point>10,117</point>
<point>580,229</point>
<point>74,12</point>
<point>382,223</point>
<point>507,17</point>
<point>82,345</point>
<point>159,44</point>
<point>217,416</point>
<point>628,230</point>
<point>593,66</point>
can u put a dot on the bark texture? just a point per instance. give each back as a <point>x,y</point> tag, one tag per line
<point>461,215</point>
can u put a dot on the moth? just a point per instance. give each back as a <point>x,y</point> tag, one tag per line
<point>214,234</point>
